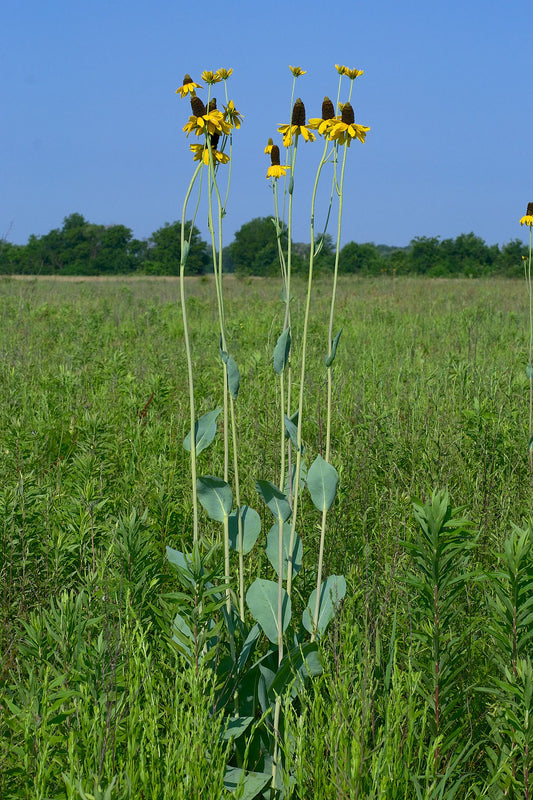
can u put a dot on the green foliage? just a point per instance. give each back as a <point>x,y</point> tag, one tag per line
<point>254,250</point>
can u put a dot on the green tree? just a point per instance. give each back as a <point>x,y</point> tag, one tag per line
<point>360,258</point>
<point>164,251</point>
<point>254,251</point>
<point>423,254</point>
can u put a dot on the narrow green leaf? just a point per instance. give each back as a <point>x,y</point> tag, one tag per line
<point>272,549</point>
<point>282,350</point>
<point>332,591</point>
<point>529,371</point>
<point>322,481</point>
<point>274,499</point>
<point>262,599</point>
<point>251,528</point>
<point>330,358</point>
<point>204,431</point>
<point>216,497</point>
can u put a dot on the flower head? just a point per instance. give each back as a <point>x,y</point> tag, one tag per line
<point>211,77</point>
<point>528,219</point>
<point>344,131</point>
<point>297,71</point>
<point>268,148</point>
<point>350,73</point>
<point>276,170</point>
<point>224,74</point>
<point>206,120</point>
<point>327,120</point>
<point>297,126</point>
<point>232,116</point>
<point>201,152</point>
<point>188,87</point>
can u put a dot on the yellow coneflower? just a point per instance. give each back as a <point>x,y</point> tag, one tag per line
<point>232,116</point>
<point>201,153</point>
<point>297,126</point>
<point>211,77</point>
<point>297,71</point>
<point>340,69</point>
<point>268,148</point>
<point>276,170</point>
<point>327,120</point>
<point>188,87</point>
<point>224,74</point>
<point>353,73</point>
<point>344,131</point>
<point>528,219</point>
<point>205,120</point>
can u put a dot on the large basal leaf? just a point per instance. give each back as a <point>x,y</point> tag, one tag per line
<point>251,528</point>
<point>274,499</point>
<point>272,549</point>
<point>298,665</point>
<point>249,784</point>
<point>204,431</point>
<point>322,481</point>
<point>216,497</point>
<point>332,591</point>
<point>282,350</point>
<point>236,727</point>
<point>330,358</point>
<point>262,599</point>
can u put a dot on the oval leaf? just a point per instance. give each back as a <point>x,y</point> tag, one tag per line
<point>274,499</point>
<point>332,591</point>
<point>262,600</point>
<point>272,549</point>
<point>234,377</point>
<point>216,497</point>
<point>330,358</point>
<point>282,350</point>
<point>204,431</point>
<point>251,528</point>
<point>322,481</point>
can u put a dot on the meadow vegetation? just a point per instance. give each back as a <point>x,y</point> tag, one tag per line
<point>426,684</point>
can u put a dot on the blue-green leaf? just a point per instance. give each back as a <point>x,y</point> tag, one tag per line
<point>529,371</point>
<point>332,591</point>
<point>274,499</point>
<point>216,497</point>
<point>272,549</point>
<point>251,528</point>
<point>234,377</point>
<point>322,481</point>
<point>204,431</point>
<point>236,727</point>
<point>248,784</point>
<point>282,350</point>
<point>262,599</point>
<point>330,358</point>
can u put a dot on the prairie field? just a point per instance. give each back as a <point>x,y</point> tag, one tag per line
<point>430,434</point>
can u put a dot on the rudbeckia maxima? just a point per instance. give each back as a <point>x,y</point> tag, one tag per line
<point>297,126</point>
<point>345,130</point>
<point>188,87</point>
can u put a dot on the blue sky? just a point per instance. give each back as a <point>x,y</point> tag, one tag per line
<point>91,122</point>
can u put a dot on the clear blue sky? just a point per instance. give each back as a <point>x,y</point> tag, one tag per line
<point>91,122</point>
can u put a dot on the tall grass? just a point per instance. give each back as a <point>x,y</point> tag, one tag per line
<point>95,696</point>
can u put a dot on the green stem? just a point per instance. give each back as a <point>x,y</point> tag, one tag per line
<point>296,486</point>
<point>332,308</point>
<point>183,258</point>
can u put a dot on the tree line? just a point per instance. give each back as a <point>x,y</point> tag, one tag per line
<point>80,247</point>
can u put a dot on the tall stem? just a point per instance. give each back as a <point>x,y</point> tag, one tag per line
<point>190,381</point>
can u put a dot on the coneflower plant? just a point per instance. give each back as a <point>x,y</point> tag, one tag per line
<point>213,625</point>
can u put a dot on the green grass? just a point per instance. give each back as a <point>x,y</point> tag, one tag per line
<point>430,392</point>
